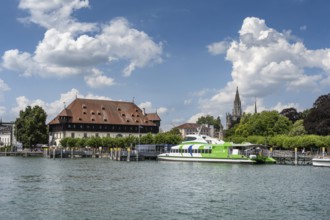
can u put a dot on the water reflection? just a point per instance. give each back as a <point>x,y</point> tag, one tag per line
<point>102,189</point>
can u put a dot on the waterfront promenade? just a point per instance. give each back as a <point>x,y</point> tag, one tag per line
<point>282,157</point>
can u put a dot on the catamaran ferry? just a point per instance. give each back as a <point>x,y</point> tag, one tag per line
<point>202,148</point>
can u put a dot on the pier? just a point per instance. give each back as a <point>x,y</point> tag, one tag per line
<point>287,157</point>
<point>23,153</point>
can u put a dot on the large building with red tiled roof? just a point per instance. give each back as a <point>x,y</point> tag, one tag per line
<point>101,118</point>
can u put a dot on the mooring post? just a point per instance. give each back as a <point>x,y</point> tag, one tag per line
<point>54,153</point>
<point>323,152</point>
<point>71,153</point>
<point>128,154</point>
<point>270,152</point>
<point>100,152</point>
<point>295,156</point>
<point>119,153</point>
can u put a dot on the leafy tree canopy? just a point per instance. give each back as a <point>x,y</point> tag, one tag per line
<point>266,123</point>
<point>291,114</point>
<point>318,119</point>
<point>297,128</point>
<point>31,128</point>
<point>209,120</point>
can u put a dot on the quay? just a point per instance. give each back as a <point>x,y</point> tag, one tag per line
<point>282,157</point>
<point>23,153</point>
<point>287,157</point>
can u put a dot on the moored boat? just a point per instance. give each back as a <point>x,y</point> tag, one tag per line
<point>202,148</point>
<point>321,162</point>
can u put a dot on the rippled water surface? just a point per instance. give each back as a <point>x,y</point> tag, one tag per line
<point>41,188</point>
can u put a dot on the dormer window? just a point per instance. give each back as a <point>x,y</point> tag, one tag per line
<point>103,108</point>
<point>123,114</point>
<point>84,112</point>
<point>92,112</point>
<point>133,115</point>
<point>104,119</point>
<point>84,106</point>
<point>119,109</point>
<point>79,119</point>
<point>98,113</point>
<point>127,120</point>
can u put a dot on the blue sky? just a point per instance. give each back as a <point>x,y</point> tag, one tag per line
<point>183,59</point>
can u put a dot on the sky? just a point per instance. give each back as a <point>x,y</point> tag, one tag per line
<point>180,58</point>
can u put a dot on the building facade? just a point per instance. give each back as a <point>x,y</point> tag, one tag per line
<point>193,128</point>
<point>85,118</point>
<point>7,137</point>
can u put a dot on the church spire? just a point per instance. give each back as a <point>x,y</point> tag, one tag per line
<point>237,111</point>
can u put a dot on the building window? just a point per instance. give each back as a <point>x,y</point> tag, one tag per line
<point>85,135</point>
<point>72,134</point>
<point>96,134</point>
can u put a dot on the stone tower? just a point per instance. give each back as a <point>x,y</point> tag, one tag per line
<point>236,115</point>
<point>237,110</point>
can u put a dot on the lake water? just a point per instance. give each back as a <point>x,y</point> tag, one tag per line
<point>41,188</point>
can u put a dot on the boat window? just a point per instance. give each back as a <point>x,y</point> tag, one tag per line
<point>189,138</point>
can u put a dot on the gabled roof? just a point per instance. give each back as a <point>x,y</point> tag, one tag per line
<point>188,126</point>
<point>103,112</point>
<point>153,117</point>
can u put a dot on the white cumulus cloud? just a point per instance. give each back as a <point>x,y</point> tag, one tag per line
<point>266,61</point>
<point>70,47</point>
<point>97,79</point>
<point>218,47</point>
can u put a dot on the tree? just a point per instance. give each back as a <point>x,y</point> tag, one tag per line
<point>291,114</point>
<point>209,120</point>
<point>266,123</point>
<point>31,128</point>
<point>318,119</point>
<point>297,128</point>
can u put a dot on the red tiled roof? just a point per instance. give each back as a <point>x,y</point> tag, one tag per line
<point>103,112</point>
<point>153,117</point>
<point>188,126</point>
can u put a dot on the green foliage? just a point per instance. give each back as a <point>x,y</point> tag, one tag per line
<point>147,139</point>
<point>297,128</point>
<point>301,141</point>
<point>291,114</point>
<point>167,138</point>
<point>94,142</point>
<point>318,119</point>
<point>235,139</point>
<point>257,139</point>
<point>266,123</point>
<point>174,131</point>
<point>123,142</point>
<point>209,120</point>
<point>31,128</point>
<point>81,142</point>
